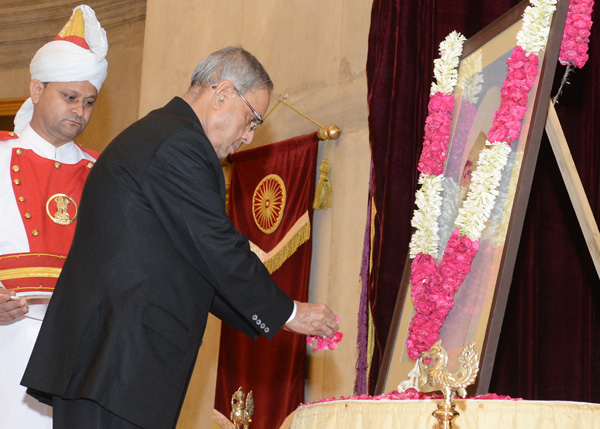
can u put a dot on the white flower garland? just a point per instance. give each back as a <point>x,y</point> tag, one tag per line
<point>483,190</point>
<point>428,197</point>
<point>482,194</point>
<point>425,219</point>
<point>536,25</point>
<point>477,208</point>
<point>444,68</point>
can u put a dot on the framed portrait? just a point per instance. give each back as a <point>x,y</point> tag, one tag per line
<point>480,302</point>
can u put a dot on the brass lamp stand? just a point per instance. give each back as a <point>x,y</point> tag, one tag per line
<point>449,383</point>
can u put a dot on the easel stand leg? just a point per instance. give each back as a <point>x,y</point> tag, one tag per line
<point>574,185</point>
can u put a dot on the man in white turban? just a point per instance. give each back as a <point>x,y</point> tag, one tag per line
<point>42,172</point>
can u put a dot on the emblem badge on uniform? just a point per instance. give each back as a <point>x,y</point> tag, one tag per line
<point>268,203</point>
<point>62,209</point>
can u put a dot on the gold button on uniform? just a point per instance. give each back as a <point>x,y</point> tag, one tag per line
<point>15,168</point>
<point>11,134</point>
<point>27,215</point>
<point>57,164</point>
<point>35,233</point>
<point>19,152</point>
<point>90,164</point>
<point>17,182</point>
<point>21,198</point>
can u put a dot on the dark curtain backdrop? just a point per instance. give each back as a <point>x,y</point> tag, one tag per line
<point>549,341</point>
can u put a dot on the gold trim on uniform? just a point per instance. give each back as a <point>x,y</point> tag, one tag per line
<point>25,255</point>
<point>62,216</point>
<point>23,273</point>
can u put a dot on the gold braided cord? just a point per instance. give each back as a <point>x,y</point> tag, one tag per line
<point>331,132</point>
<point>21,255</point>
<point>28,272</point>
<point>294,109</point>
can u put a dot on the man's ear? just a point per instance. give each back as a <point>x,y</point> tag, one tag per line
<point>35,90</point>
<point>222,91</point>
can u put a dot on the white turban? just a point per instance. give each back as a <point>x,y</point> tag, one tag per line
<point>64,61</point>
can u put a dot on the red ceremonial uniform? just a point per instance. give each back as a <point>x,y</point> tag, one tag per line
<point>47,194</point>
<point>40,190</point>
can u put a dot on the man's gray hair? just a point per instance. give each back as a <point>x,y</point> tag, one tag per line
<point>234,64</point>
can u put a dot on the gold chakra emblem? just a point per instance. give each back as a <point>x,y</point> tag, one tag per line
<point>268,203</point>
<point>64,212</point>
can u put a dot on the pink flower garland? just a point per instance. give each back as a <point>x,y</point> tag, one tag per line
<point>576,37</point>
<point>433,287</point>
<point>522,72</point>
<point>437,134</point>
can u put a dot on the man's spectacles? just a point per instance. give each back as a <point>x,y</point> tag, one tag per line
<point>259,119</point>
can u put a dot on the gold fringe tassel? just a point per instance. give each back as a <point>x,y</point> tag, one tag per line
<point>289,249</point>
<point>323,192</point>
<point>371,327</point>
<point>370,345</point>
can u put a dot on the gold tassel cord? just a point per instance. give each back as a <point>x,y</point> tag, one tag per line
<point>323,193</point>
<point>332,132</point>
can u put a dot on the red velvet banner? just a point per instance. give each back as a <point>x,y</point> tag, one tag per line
<point>270,201</point>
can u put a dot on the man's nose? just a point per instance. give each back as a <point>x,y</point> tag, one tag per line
<point>78,109</point>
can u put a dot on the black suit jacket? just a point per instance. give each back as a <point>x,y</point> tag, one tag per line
<point>153,253</point>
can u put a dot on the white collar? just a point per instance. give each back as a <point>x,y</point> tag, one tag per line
<point>68,152</point>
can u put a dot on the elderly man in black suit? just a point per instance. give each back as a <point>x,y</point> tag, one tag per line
<point>154,252</point>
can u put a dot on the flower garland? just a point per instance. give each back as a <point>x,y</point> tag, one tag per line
<point>576,37</point>
<point>437,134</point>
<point>433,285</point>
